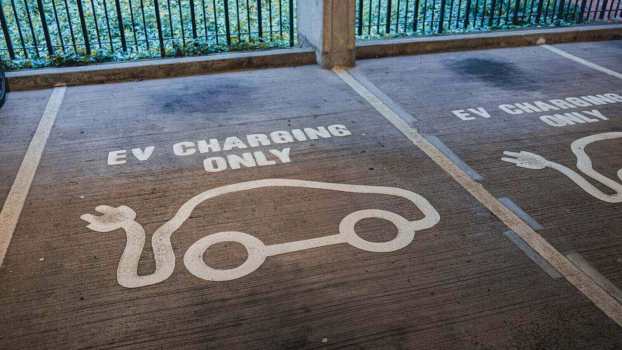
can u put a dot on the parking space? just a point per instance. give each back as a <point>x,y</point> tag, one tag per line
<point>540,131</point>
<point>254,210</point>
<point>20,116</point>
<point>607,54</point>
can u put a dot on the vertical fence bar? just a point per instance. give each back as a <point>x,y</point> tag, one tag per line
<point>378,17</point>
<point>493,7</point>
<point>248,19</point>
<point>441,16</point>
<point>181,23</point>
<point>406,10</point>
<point>483,19</point>
<point>133,20</point>
<point>388,19</point>
<point>239,25</point>
<point>590,10</point>
<point>259,20</point>
<point>516,9</point>
<point>58,26</point>
<point>32,29</point>
<point>270,17</point>
<point>432,16</point>
<point>582,13</point>
<point>99,42</point>
<point>142,12</point>
<point>215,20</point>
<point>416,16</point>
<point>19,29</point>
<point>44,26</point>
<point>204,20</point>
<point>546,10</point>
<point>73,36</point>
<point>281,18</point>
<point>227,24</point>
<point>397,16</point>
<point>170,19</point>
<point>539,13</point>
<point>425,14</point>
<point>560,13</point>
<point>360,15</point>
<point>85,34</point>
<point>5,32</point>
<point>448,14</point>
<point>193,19</point>
<point>576,10</point>
<point>603,9</point>
<point>369,16</point>
<point>156,6</point>
<point>291,23</point>
<point>108,25</point>
<point>120,23</point>
<point>524,12</point>
<point>458,14</point>
<point>595,9</point>
<point>467,13</point>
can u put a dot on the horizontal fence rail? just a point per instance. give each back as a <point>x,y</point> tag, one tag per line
<point>57,29</point>
<point>382,18</point>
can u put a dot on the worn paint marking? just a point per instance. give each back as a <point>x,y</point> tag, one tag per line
<point>535,257</point>
<point>454,157</point>
<point>588,269</point>
<point>124,218</point>
<point>521,213</point>
<point>14,204</point>
<point>582,61</point>
<point>576,277</point>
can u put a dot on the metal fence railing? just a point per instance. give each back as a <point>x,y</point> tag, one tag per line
<point>382,18</point>
<point>45,29</point>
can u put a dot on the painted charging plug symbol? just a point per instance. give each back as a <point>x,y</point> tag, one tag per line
<point>124,217</point>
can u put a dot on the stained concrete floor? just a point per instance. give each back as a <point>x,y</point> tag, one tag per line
<point>463,282</point>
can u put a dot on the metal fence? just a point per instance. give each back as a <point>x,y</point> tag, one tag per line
<point>34,29</point>
<point>381,18</point>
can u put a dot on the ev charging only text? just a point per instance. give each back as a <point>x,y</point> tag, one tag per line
<point>234,152</point>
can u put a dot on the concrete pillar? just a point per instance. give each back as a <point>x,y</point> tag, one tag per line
<point>328,26</point>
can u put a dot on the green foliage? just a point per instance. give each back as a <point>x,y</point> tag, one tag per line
<point>142,35</point>
<point>506,16</point>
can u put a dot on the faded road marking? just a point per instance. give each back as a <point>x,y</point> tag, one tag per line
<point>582,61</point>
<point>609,305</point>
<point>12,209</point>
<point>454,157</point>
<point>521,213</point>
<point>124,218</point>
<point>582,264</point>
<point>534,256</point>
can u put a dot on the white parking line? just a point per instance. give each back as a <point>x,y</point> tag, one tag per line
<point>603,300</point>
<point>582,61</point>
<point>589,270</point>
<point>12,209</point>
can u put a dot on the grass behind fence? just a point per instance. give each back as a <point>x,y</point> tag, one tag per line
<point>87,31</point>
<point>394,18</point>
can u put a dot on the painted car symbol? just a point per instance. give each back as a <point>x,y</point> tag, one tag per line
<point>124,218</point>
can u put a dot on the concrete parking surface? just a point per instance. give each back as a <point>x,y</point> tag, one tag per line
<point>450,201</point>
